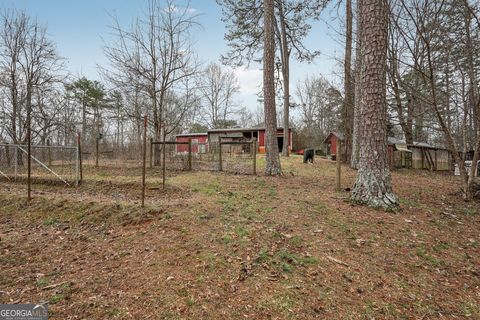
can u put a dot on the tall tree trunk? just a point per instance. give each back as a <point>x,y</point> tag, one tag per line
<point>408,130</point>
<point>472,92</point>
<point>14,93</point>
<point>405,120</point>
<point>84,118</point>
<point>473,102</point>
<point>348,102</point>
<point>373,183</point>
<point>286,81</point>
<point>273,160</point>
<point>357,102</point>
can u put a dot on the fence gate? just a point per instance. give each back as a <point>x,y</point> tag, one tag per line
<point>178,155</point>
<point>239,157</point>
<point>48,163</point>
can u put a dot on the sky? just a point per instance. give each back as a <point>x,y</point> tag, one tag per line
<point>80,28</point>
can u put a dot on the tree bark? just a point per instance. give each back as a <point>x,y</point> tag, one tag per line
<point>348,101</point>
<point>357,101</point>
<point>285,56</point>
<point>272,158</point>
<point>472,92</point>
<point>373,183</point>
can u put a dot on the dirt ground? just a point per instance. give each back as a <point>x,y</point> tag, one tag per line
<point>223,246</point>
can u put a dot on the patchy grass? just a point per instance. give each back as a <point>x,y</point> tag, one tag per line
<point>219,246</point>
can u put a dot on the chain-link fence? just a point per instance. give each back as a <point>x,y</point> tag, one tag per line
<point>48,163</point>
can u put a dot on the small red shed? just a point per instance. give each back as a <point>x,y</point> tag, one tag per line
<point>331,142</point>
<point>419,155</point>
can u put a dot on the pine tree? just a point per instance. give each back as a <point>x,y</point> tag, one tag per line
<point>272,167</point>
<point>373,183</point>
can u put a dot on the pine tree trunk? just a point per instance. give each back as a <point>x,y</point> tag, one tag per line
<point>286,113</point>
<point>272,157</point>
<point>357,105</point>
<point>286,81</point>
<point>348,89</point>
<point>373,183</point>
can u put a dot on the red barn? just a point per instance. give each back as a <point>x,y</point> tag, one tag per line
<point>199,142</point>
<point>249,134</point>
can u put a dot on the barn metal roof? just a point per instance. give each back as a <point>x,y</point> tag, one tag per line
<point>239,129</point>
<point>192,134</point>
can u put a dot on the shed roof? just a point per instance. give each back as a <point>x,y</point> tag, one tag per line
<point>192,134</point>
<point>391,141</point>
<point>239,129</point>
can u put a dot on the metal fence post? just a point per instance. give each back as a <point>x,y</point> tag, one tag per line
<point>77,169</point>
<point>49,153</point>
<point>339,167</point>
<point>254,146</point>
<point>190,154</point>
<point>144,158</point>
<point>79,159</point>
<point>220,153</point>
<point>151,153</point>
<point>96,151</point>
<point>15,155</point>
<point>164,155</point>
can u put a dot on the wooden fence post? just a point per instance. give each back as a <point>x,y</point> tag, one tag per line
<point>254,145</point>
<point>220,153</point>
<point>339,164</point>
<point>144,158</point>
<point>190,154</point>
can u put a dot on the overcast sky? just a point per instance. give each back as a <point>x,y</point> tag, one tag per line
<point>80,27</point>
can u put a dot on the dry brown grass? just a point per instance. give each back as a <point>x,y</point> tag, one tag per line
<point>215,246</point>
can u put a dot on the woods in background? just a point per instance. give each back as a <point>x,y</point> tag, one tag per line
<point>432,68</point>
<point>426,90</point>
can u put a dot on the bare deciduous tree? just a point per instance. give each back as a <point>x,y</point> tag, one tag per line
<point>217,88</point>
<point>156,53</point>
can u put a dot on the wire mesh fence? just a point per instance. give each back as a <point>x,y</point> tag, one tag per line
<point>206,157</point>
<point>177,155</point>
<point>48,163</point>
<point>238,157</point>
<point>112,150</point>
